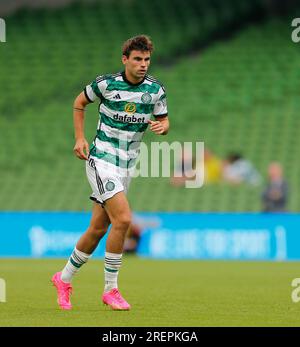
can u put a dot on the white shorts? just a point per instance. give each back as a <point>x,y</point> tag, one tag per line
<point>105,180</point>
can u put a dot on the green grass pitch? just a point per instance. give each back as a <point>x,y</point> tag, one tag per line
<point>162,293</point>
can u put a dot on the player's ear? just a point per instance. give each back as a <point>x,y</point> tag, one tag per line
<point>124,59</point>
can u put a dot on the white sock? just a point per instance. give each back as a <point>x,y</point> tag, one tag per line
<point>76,260</point>
<point>112,264</point>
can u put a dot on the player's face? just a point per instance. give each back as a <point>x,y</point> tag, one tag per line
<point>137,64</point>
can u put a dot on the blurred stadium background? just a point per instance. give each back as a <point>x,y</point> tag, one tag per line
<point>232,74</point>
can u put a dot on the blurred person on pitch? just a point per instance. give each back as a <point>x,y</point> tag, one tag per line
<point>184,169</point>
<point>212,167</point>
<point>275,195</point>
<point>132,238</point>
<point>237,170</point>
<point>186,166</point>
<point>127,100</point>
<point>138,225</point>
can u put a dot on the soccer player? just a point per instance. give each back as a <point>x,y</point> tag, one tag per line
<point>127,100</point>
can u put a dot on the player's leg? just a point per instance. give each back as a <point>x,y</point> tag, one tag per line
<point>119,214</point>
<point>82,252</point>
<point>87,243</point>
<point>96,230</point>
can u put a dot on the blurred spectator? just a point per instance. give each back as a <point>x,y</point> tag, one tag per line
<point>237,170</point>
<point>136,229</point>
<point>183,169</point>
<point>274,197</point>
<point>132,238</point>
<point>212,167</point>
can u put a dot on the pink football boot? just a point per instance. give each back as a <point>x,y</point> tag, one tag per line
<point>114,299</point>
<point>63,292</point>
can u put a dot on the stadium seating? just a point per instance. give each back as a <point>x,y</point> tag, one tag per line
<point>240,94</point>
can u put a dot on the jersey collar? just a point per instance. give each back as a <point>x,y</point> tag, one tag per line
<point>128,82</point>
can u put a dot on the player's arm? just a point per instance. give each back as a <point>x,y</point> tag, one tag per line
<point>160,126</point>
<point>81,145</point>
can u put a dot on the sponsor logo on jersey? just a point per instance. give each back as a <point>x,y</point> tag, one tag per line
<point>109,186</point>
<point>146,98</point>
<point>130,107</point>
<point>129,119</point>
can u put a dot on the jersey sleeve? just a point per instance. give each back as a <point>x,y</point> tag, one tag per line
<point>96,89</point>
<point>160,107</point>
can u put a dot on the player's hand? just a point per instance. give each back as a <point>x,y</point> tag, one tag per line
<point>80,147</point>
<point>156,126</point>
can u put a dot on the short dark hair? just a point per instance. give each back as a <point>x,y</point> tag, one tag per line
<point>141,43</point>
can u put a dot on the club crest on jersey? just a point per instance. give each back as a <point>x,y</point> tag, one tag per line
<point>109,186</point>
<point>146,98</point>
<point>130,107</point>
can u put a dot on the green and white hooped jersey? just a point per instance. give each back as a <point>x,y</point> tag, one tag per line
<point>124,111</point>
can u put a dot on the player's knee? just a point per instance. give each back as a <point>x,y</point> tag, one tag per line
<point>123,221</point>
<point>98,229</point>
